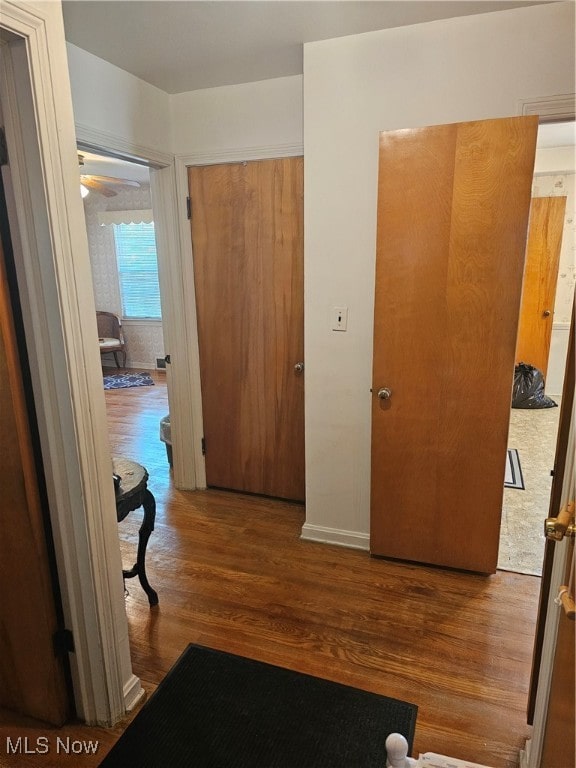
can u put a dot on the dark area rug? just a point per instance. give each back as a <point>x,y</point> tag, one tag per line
<point>122,380</point>
<point>218,710</point>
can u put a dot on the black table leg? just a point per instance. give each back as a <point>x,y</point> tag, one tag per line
<point>139,569</point>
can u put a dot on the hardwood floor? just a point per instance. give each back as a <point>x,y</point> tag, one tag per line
<point>232,573</point>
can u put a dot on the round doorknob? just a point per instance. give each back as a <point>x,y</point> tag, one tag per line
<point>546,313</point>
<point>384,393</point>
<point>299,367</point>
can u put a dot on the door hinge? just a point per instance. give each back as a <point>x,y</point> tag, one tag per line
<point>203,446</point>
<point>63,642</point>
<point>3,148</point>
<point>189,207</point>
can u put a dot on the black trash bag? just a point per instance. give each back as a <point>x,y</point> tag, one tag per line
<point>528,389</point>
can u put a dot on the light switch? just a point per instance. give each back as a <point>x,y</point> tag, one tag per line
<point>339,318</point>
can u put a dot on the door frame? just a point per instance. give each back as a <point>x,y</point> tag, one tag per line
<point>550,109</point>
<point>174,329</point>
<point>182,163</point>
<point>530,757</point>
<point>47,225</point>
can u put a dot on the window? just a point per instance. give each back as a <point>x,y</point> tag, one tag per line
<point>138,270</point>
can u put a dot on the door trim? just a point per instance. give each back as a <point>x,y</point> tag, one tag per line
<point>550,109</point>
<point>188,314</point>
<point>170,268</point>
<point>93,139</point>
<point>531,756</point>
<point>554,570</point>
<point>55,282</point>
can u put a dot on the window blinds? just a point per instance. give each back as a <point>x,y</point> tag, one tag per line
<point>138,270</point>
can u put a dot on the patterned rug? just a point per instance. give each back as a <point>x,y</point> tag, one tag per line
<point>123,380</point>
<point>513,477</point>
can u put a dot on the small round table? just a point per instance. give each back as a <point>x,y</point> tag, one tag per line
<point>131,494</point>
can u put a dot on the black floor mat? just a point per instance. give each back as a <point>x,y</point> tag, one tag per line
<point>217,710</point>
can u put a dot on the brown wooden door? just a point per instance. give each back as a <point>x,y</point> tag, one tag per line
<point>453,204</point>
<point>558,747</point>
<point>247,240</point>
<point>560,480</point>
<point>31,677</point>
<point>540,277</point>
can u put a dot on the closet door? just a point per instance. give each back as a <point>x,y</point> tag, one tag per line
<point>247,241</point>
<point>453,204</point>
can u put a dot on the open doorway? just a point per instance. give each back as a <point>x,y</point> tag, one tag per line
<point>120,226</point>
<point>533,431</point>
<point>121,241</point>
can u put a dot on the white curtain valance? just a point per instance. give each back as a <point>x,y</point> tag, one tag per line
<point>126,217</point>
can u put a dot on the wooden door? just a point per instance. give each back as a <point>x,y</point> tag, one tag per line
<point>560,480</point>
<point>453,204</point>
<point>247,240</point>
<point>540,277</point>
<point>31,677</point>
<point>558,747</point>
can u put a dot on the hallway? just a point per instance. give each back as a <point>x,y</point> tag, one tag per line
<point>232,573</point>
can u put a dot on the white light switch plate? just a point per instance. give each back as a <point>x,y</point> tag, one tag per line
<point>339,318</point>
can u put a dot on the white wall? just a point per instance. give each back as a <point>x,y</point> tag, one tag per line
<point>112,101</point>
<point>555,160</point>
<point>261,114</point>
<point>459,69</point>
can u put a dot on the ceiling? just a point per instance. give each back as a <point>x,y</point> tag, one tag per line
<point>182,45</point>
<point>185,45</point>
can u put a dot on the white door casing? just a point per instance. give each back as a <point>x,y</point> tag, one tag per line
<point>180,338</point>
<point>55,283</point>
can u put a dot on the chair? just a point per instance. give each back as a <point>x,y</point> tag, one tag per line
<point>111,336</point>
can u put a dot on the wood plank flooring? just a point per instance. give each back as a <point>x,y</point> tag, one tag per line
<point>232,573</point>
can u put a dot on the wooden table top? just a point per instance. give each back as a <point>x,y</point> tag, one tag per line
<point>133,479</point>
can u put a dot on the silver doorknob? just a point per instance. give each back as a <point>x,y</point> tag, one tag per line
<point>546,313</point>
<point>384,393</point>
<point>299,367</point>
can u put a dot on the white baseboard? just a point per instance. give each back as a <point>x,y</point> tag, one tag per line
<point>524,756</point>
<point>133,693</point>
<point>351,539</point>
<point>149,366</point>
<point>132,364</point>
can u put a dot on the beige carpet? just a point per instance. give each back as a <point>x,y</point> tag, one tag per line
<point>533,434</point>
